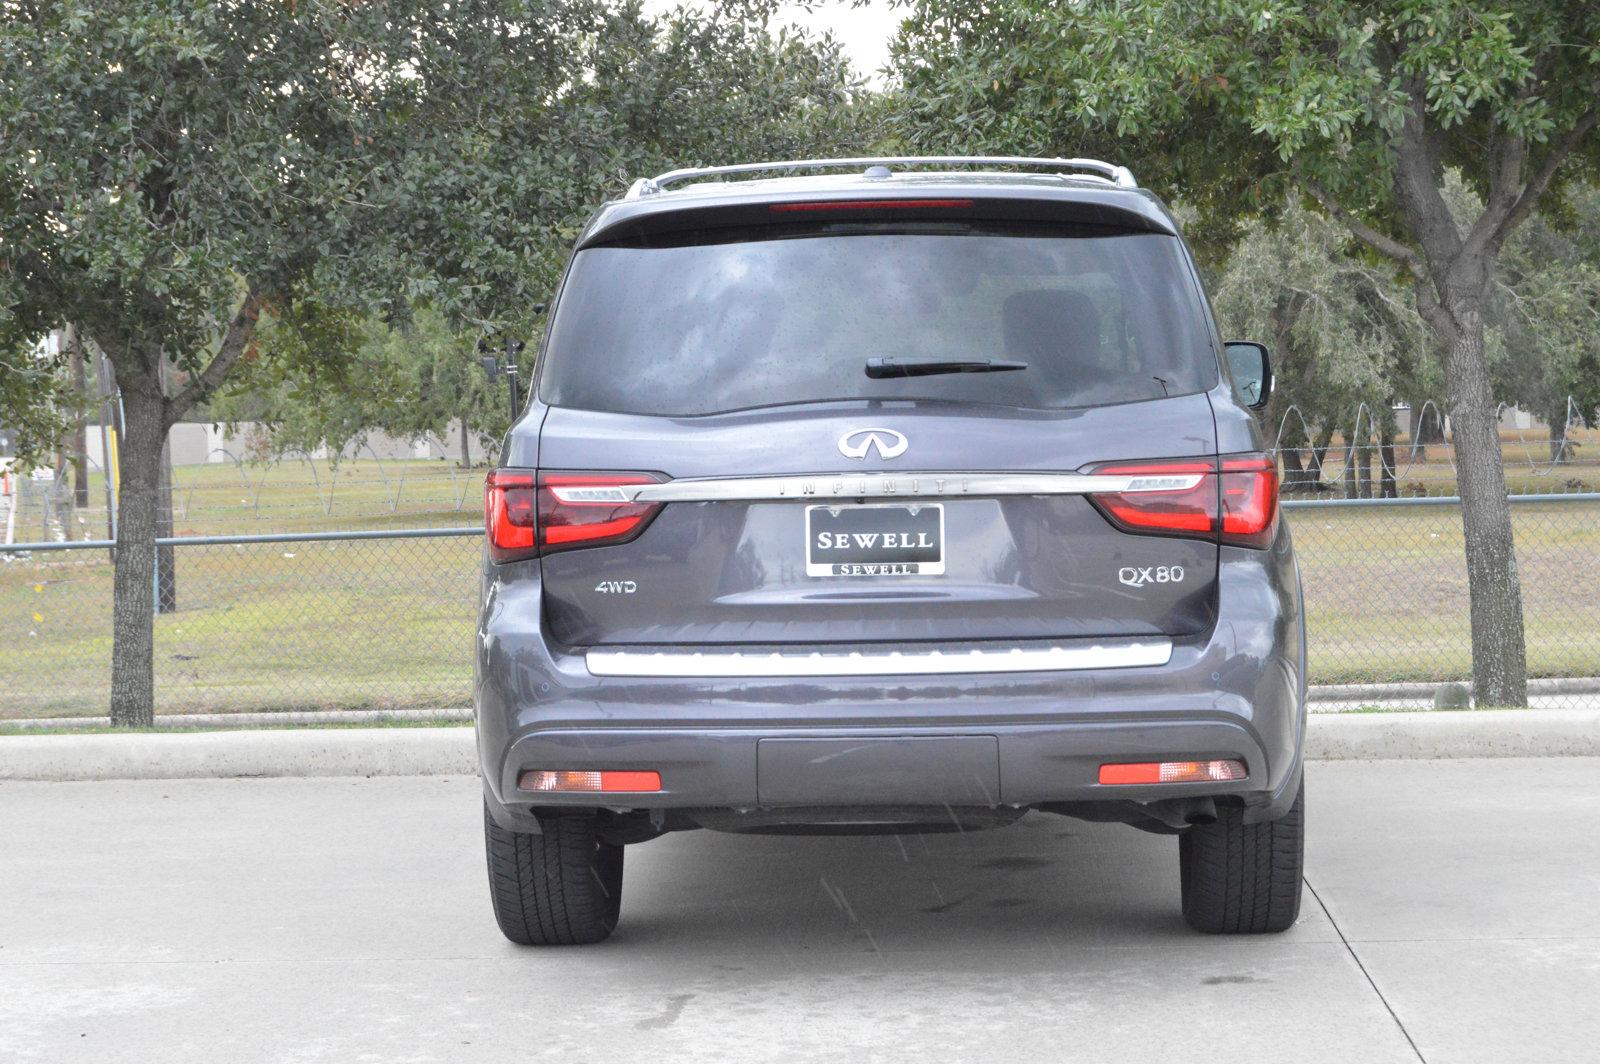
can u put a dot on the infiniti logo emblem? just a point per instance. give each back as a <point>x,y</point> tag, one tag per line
<point>858,443</point>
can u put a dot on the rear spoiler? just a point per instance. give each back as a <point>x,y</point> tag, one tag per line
<point>623,223</point>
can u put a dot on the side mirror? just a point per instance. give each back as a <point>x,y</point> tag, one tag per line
<point>1251,370</point>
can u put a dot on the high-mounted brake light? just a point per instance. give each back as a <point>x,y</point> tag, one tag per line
<point>528,513</point>
<point>1233,500</point>
<point>1173,772</point>
<point>872,205</point>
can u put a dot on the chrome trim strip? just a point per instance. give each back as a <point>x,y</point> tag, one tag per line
<point>735,663</point>
<point>1119,176</point>
<point>902,485</point>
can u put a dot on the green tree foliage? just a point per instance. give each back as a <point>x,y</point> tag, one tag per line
<point>682,88</point>
<point>1544,319</point>
<point>172,172</point>
<point>36,400</point>
<point>1358,106</point>
<point>1346,338</point>
<point>414,379</point>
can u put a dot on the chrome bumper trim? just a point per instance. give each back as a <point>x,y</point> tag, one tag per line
<point>1122,654</point>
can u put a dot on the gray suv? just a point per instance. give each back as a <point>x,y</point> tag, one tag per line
<point>904,495</point>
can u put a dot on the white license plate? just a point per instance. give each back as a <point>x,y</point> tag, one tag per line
<point>875,540</point>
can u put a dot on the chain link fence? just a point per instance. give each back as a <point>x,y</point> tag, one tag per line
<point>282,623</point>
<point>383,621</point>
<point>1387,608</point>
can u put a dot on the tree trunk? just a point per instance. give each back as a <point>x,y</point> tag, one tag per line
<point>1386,484</point>
<point>1294,470</point>
<point>1292,450</point>
<point>80,434</point>
<point>1319,452</point>
<point>466,450</point>
<point>1426,426</point>
<point>1364,468</point>
<point>132,622</point>
<point>1499,654</point>
<point>1558,439</point>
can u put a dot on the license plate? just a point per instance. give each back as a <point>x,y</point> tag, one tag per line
<point>875,540</point>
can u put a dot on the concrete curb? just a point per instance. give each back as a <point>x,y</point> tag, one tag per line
<point>1445,733</point>
<point>1379,693</point>
<point>234,721</point>
<point>445,751</point>
<point>450,750</point>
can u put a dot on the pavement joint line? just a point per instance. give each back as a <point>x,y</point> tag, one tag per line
<point>1412,1042</point>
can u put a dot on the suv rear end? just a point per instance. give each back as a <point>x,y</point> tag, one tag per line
<point>890,501</point>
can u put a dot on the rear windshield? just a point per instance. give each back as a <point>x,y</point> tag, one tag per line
<point>721,320</point>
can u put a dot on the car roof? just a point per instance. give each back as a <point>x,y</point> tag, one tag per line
<point>1096,198</point>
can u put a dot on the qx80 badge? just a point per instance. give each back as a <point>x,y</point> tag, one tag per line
<point>1150,574</point>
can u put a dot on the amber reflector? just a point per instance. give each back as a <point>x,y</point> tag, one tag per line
<point>1173,772</point>
<point>567,782</point>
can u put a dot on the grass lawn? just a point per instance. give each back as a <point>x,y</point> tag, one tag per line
<point>295,496</point>
<point>384,624</point>
<point>388,624</point>
<point>1386,591</point>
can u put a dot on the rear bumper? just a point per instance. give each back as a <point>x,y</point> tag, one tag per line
<point>1025,739</point>
<point>1014,765</point>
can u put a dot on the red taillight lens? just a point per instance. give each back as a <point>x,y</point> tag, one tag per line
<point>509,514</point>
<point>1249,501</point>
<point>527,514</point>
<point>589,509</point>
<point>1233,500</point>
<point>1162,498</point>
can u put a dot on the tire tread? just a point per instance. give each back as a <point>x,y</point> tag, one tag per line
<point>561,887</point>
<point>1240,878</point>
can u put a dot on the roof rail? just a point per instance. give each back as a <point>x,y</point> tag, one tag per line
<point>1116,175</point>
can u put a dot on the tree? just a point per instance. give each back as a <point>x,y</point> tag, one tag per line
<point>1346,341</point>
<point>681,89</point>
<point>411,379</point>
<point>172,172</point>
<point>1357,106</point>
<point>37,403</point>
<point>1544,319</point>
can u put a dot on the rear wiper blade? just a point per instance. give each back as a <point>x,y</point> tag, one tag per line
<point>881,368</point>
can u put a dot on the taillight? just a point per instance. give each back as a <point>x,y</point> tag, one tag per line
<point>1233,500</point>
<point>589,509</point>
<point>1166,498</point>
<point>1249,500</point>
<point>527,513</point>
<point>509,512</point>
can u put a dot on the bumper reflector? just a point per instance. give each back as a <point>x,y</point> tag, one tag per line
<point>1173,772</point>
<point>567,782</point>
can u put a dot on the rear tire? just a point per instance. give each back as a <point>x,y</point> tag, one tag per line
<point>1243,879</point>
<point>559,888</point>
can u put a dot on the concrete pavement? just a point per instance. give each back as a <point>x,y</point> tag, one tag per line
<point>1455,917</point>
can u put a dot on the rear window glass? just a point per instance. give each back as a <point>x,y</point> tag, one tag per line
<point>723,320</point>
